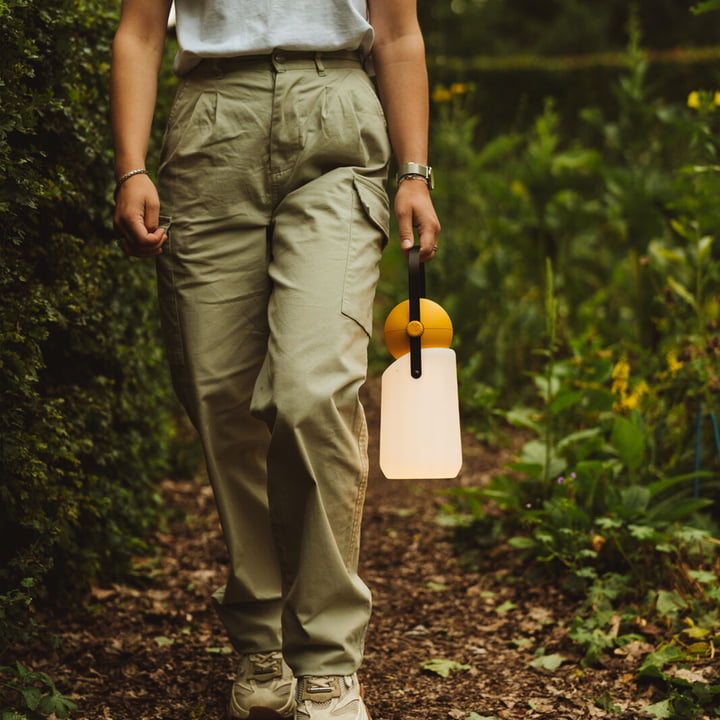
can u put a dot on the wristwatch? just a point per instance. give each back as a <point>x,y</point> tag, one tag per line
<point>412,169</point>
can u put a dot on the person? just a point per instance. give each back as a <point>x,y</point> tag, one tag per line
<point>267,225</point>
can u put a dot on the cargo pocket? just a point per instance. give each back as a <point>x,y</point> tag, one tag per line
<point>368,236</point>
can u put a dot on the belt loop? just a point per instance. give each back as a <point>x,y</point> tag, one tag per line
<point>319,64</point>
<point>278,60</point>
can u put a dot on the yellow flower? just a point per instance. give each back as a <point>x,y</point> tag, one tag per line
<point>441,94</point>
<point>458,88</point>
<point>633,400</point>
<point>693,99</point>
<point>673,363</point>
<point>628,403</point>
<point>716,98</point>
<point>620,377</point>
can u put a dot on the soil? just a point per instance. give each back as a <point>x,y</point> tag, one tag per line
<point>155,650</point>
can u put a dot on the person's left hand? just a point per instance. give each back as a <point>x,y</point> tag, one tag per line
<point>415,211</point>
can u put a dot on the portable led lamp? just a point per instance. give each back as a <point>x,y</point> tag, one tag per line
<point>419,408</point>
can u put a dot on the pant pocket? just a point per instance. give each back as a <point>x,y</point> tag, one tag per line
<point>368,236</point>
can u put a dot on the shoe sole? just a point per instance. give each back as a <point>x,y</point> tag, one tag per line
<point>362,697</point>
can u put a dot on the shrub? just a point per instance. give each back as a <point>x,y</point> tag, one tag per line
<point>84,402</point>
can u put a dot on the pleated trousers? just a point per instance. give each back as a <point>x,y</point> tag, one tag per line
<point>272,186</point>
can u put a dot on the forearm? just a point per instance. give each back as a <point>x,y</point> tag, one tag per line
<point>137,54</point>
<point>399,60</point>
<point>403,87</point>
<point>136,59</point>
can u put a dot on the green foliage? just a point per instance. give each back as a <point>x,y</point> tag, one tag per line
<point>518,53</point>
<point>85,415</point>
<point>624,221</point>
<point>706,6</point>
<point>625,212</point>
<point>29,695</point>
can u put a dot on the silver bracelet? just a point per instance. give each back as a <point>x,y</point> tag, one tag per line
<point>127,176</point>
<point>412,176</point>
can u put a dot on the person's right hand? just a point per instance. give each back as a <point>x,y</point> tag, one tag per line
<point>137,217</point>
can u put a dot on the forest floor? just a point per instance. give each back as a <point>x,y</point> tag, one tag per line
<point>155,650</point>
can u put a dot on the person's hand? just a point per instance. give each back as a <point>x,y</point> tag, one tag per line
<point>415,212</point>
<point>137,217</point>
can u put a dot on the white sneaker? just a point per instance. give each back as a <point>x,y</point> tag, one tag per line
<point>331,697</point>
<point>264,688</point>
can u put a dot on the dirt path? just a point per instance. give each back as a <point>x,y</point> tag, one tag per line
<point>156,651</point>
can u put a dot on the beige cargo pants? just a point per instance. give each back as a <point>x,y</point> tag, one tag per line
<point>272,184</point>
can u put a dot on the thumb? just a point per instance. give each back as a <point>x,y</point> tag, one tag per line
<point>405,230</point>
<point>152,216</point>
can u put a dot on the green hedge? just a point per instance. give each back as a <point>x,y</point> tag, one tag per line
<point>85,409</point>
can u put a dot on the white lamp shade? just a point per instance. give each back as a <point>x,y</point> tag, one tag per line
<point>420,418</point>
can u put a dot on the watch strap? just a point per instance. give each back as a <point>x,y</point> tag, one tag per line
<point>414,169</point>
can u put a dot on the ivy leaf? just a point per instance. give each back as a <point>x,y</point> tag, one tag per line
<point>548,662</point>
<point>654,662</point>
<point>443,668</point>
<point>661,709</point>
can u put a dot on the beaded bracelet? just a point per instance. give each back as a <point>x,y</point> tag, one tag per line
<point>127,176</point>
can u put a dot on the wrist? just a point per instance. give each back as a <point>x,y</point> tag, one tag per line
<point>126,162</point>
<point>416,171</point>
<point>126,176</point>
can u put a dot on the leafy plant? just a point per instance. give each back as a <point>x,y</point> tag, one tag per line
<point>30,695</point>
<point>604,488</point>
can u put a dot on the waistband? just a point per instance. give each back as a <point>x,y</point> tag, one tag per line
<point>281,61</point>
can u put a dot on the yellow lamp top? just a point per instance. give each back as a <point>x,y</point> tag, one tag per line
<point>434,327</point>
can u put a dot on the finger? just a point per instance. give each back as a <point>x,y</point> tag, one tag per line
<point>152,216</point>
<point>428,237</point>
<point>405,231</point>
<point>415,214</point>
<point>139,242</point>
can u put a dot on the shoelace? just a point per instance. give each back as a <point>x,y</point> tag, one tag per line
<point>318,685</point>
<point>265,665</point>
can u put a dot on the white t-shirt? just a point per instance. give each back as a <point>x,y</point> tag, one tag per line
<point>227,28</point>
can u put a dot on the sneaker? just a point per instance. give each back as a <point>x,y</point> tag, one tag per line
<point>264,688</point>
<point>333,697</point>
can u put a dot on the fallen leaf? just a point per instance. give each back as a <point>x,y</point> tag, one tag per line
<point>692,676</point>
<point>443,668</point>
<point>548,662</point>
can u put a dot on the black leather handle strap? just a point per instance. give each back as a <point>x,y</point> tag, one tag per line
<point>416,282</point>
